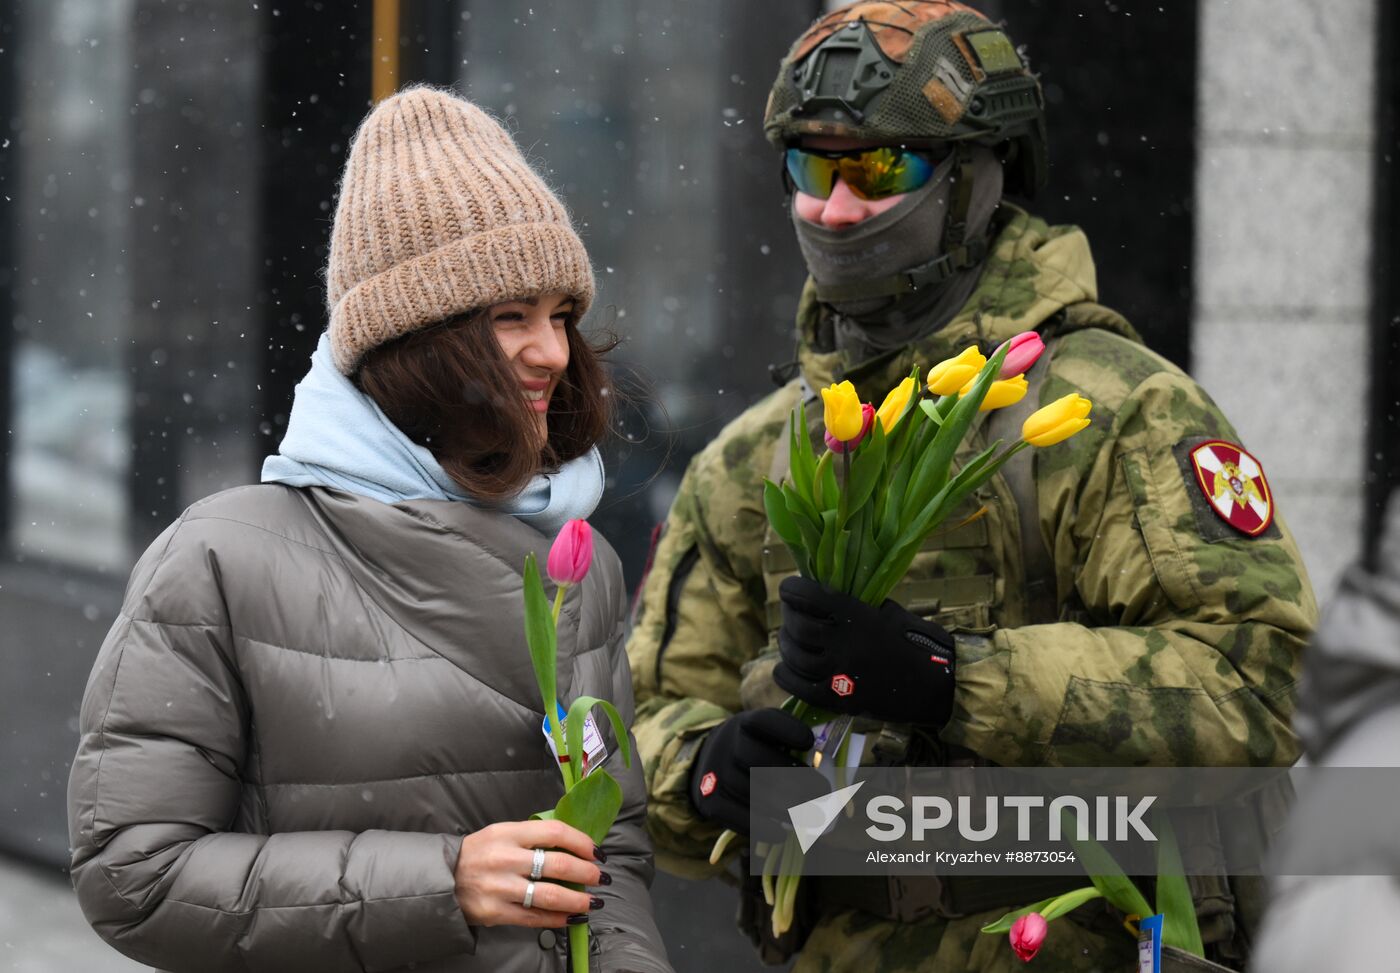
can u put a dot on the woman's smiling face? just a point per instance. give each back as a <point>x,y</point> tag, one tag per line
<point>533,335</point>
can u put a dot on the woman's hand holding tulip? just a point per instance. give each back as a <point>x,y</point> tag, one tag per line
<point>493,868</point>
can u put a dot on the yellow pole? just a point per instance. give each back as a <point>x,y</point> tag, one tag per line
<point>385,73</point>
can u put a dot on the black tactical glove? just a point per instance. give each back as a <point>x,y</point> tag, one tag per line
<point>845,656</point>
<point>719,779</point>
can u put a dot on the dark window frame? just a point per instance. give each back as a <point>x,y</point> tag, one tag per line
<point>9,81</point>
<point>1383,430</point>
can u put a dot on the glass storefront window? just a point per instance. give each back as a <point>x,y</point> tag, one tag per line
<point>69,456</point>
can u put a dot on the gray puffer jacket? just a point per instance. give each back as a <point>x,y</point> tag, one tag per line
<point>307,700</point>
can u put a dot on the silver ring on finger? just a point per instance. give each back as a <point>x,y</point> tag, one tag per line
<point>537,865</point>
<point>529,900</point>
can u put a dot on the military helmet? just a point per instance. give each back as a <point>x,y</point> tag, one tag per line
<point>915,72</point>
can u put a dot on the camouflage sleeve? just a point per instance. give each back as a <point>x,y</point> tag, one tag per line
<point>701,619</point>
<point>1184,648</point>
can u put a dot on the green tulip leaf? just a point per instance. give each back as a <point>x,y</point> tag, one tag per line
<point>839,554</point>
<point>819,482</point>
<point>908,430</point>
<point>888,528</point>
<point>867,556</point>
<point>775,505</point>
<point>807,519</point>
<point>801,507</point>
<point>591,805</point>
<point>867,467</point>
<point>540,636</point>
<point>828,490</point>
<point>1104,872</point>
<point>1179,925</point>
<point>800,460</point>
<point>1051,908</point>
<point>1068,902</point>
<point>573,728</point>
<point>826,551</point>
<point>977,466</point>
<point>938,458</point>
<point>901,554</point>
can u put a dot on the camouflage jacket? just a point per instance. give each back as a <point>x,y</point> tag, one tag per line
<point>1178,638</point>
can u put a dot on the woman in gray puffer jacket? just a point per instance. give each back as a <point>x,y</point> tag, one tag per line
<point>312,739</point>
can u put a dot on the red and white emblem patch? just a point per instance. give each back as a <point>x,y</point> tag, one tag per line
<point>842,685</point>
<point>1234,484</point>
<point>707,784</point>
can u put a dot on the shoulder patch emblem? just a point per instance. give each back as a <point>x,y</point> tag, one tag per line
<point>1234,486</point>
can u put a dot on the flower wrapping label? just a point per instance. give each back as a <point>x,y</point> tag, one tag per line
<point>594,750</point>
<point>854,750</point>
<point>1150,945</point>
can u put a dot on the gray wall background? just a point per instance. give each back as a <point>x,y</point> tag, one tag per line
<point>1283,277</point>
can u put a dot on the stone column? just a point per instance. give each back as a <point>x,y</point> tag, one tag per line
<point>1282,252</point>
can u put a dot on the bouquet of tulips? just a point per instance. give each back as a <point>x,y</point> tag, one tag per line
<point>858,532</point>
<point>592,797</point>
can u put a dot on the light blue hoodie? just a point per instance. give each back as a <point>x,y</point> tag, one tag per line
<point>338,437</point>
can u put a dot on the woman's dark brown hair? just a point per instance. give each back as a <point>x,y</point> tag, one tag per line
<point>450,389</point>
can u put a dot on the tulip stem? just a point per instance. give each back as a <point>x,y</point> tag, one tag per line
<point>841,504</point>
<point>566,764</point>
<point>578,948</point>
<point>559,602</point>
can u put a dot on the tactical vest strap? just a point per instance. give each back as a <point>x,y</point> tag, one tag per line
<point>1042,600</point>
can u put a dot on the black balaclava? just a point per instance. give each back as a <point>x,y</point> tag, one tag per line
<point>905,236</point>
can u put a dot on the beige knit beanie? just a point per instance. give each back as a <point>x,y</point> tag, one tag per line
<point>440,214</point>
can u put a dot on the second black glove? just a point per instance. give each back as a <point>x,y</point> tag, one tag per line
<point>719,780</point>
<point>845,656</point>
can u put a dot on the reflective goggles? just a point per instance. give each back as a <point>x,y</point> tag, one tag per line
<point>869,173</point>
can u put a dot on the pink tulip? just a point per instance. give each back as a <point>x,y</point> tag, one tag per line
<point>867,416</point>
<point>1025,348</point>
<point>571,555</point>
<point>1027,935</point>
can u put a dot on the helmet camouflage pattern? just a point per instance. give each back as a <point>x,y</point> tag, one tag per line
<point>914,72</point>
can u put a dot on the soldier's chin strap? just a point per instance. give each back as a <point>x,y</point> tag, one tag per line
<point>958,254</point>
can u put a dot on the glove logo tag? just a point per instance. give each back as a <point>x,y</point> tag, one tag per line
<point>707,784</point>
<point>842,685</point>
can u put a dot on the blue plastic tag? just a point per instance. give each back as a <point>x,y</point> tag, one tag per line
<point>1150,945</point>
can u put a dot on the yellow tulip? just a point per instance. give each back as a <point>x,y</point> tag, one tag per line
<point>948,376</point>
<point>1057,421</point>
<point>1007,391</point>
<point>843,416</point>
<point>893,407</point>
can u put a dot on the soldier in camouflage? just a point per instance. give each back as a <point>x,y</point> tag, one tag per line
<point>1116,605</point>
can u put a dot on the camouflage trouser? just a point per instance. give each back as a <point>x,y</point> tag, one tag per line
<point>857,942</point>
